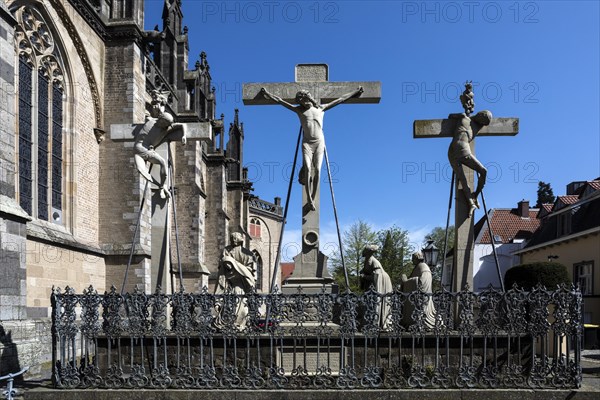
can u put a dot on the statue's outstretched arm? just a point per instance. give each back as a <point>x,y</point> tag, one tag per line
<point>342,99</point>
<point>179,132</point>
<point>277,99</point>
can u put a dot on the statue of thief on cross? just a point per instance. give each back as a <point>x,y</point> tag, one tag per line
<point>158,128</point>
<point>459,152</point>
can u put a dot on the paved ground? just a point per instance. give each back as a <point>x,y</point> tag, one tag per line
<point>590,362</point>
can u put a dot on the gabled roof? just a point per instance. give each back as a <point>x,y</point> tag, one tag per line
<point>507,224</point>
<point>566,200</point>
<point>594,184</point>
<point>582,218</point>
<point>584,190</point>
<point>545,210</point>
<point>589,188</point>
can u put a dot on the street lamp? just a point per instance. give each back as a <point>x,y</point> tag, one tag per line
<point>430,253</point>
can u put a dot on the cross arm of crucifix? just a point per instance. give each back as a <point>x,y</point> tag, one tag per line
<point>428,128</point>
<point>346,97</point>
<point>175,132</point>
<point>270,96</point>
<point>323,92</point>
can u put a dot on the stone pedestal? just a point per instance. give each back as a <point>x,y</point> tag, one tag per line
<point>310,282</point>
<point>310,265</point>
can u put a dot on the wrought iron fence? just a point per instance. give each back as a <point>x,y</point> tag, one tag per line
<point>198,340</point>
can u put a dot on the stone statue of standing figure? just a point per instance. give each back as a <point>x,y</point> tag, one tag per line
<point>373,275</point>
<point>158,128</point>
<point>459,152</point>
<point>236,275</point>
<point>420,279</point>
<point>311,115</point>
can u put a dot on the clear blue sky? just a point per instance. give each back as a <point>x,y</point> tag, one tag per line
<point>538,61</point>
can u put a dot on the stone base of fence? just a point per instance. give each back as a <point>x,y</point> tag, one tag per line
<point>448,394</point>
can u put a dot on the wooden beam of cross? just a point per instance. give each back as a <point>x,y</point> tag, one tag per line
<point>464,228</point>
<point>310,265</point>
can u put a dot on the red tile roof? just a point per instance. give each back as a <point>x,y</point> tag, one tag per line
<point>594,184</point>
<point>287,269</point>
<point>508,224</point>
<point>569,198</point>
<point>562,201</point>
<point>545,210</point>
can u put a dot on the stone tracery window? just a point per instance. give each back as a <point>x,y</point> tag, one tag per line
<point>41,115</point>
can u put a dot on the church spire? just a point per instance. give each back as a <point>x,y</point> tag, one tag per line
<point>235,147</point>
<point>172,16</point>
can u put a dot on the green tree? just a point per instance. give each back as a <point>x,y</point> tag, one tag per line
<point>354,240</point>
<point>545,194</point>
<point>395,252</point>
<point>438,235</point>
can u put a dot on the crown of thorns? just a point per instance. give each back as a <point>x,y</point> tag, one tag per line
<point>305,94</point>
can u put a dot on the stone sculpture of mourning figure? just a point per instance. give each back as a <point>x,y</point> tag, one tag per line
<point>236,275</point>
<point>420,280</point>
<point>374,276</point>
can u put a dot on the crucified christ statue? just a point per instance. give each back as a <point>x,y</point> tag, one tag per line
<point>311,115</point>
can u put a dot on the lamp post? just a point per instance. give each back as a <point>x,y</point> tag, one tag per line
<point>431,253</point>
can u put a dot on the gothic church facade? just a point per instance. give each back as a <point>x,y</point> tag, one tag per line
<point>70,194</point>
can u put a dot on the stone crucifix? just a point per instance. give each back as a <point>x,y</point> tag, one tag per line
<point>314,94</point>
<point>462,128</point>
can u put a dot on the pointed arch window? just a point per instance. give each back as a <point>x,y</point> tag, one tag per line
<point>259,270</point>
<point>25,134</point>
<point>57,145</point>
<point>41,115</point>
<point>255,228</point>
<point>42,150</point>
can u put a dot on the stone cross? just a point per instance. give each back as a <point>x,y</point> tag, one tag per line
<point>160,223</point>
<point>464,228</point>
<point>311,264</point>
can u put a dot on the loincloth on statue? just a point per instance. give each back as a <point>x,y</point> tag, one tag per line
<point>145,153</point>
